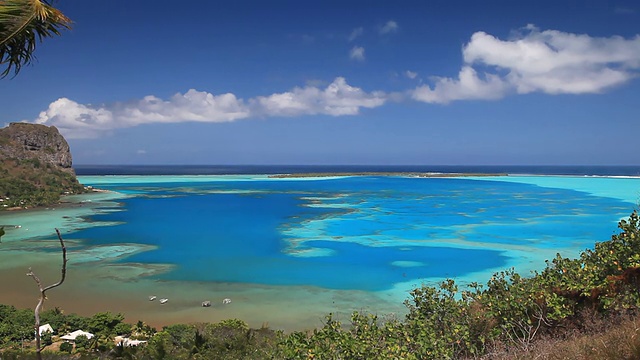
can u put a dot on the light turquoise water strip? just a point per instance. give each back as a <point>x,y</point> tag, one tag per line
<point>622,188</point>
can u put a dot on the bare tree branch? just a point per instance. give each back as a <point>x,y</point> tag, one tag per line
<point>43,295</point>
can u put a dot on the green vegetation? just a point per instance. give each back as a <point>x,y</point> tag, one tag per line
<point>22,24</point>
<point>30,182</point>
<point>583,308</point>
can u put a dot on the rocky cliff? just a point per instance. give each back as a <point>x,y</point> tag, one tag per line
<point>35,166</point>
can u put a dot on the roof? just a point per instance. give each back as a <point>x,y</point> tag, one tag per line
<point>72,336</point>
<point>45,328</point>
<point>125,341</point>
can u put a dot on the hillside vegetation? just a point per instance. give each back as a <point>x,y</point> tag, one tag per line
<point>35,166</point>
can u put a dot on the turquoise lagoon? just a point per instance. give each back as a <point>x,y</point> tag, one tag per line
<point>329,244</point>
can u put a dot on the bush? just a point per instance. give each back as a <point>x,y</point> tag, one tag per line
<point>46,338</point>
<point>82,343</point>
<point>66,347</point>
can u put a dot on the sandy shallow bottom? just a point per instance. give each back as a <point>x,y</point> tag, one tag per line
<point>91,288</point>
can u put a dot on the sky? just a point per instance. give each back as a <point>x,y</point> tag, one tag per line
<point>339,82</point>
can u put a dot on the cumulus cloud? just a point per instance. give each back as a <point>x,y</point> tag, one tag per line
<point>339,98</point>
<point>83,121</point>
<point>549,61</point>
<point>411,74</point>
<point>357,53</point>
<point>76,120</point>
<point>390,27</point>
<point>356,33</point>
<point>467,86</point>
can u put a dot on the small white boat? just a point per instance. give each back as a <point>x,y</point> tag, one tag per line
<point>151,298</point>
<point>206,304</point>
<point>162,301</point>
<point>226,301</point>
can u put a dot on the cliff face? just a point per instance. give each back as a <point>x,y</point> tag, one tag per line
<point>28,141</point>
<point>35,166</point>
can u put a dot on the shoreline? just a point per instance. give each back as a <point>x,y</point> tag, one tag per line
<point>62,203</point>
<point>88,289</point>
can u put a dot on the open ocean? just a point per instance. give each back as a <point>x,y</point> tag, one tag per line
<point>354,238</point>
<point>280,169</point>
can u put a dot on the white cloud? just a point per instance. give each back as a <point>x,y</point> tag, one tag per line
<point>356,33</point>
<point>468,86</point>
<point>357,53</point>
<point>76,120</point>
<point>338,98</point>
<point>550,61</point>
<point>411,74</point>
<point>390,27</point>
<point>85,121</point>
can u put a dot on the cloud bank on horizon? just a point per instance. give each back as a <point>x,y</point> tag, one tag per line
<point>550,62</point>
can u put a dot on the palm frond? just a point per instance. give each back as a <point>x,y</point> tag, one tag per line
<point>23,23</point>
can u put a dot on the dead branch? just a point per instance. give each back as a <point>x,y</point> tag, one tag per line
<point>43,295</point>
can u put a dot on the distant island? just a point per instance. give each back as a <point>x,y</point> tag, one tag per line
<point>379,173</point>
<point>35,166</point>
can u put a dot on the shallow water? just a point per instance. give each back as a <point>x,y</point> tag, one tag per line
<point>288,251</point>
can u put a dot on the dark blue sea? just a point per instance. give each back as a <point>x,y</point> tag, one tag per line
<point>284,169</point>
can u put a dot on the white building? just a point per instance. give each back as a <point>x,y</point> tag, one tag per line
<point>126,342</point>
<point>45,328</point>
<point>72,336</point>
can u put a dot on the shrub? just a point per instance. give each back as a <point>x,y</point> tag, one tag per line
<point>66,347</point>
<point>46,338</point>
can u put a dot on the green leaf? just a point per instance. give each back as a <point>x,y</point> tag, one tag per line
<point>22,24</point>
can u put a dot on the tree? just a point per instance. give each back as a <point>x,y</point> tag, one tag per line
<point>66,347</point>
<point>22,24</point>
<point>43,291</point>
<point>82,342</point>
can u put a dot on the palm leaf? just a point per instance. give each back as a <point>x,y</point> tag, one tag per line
<point>22,24</point>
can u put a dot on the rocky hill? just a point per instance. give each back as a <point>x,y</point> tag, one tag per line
<point>35,166</point>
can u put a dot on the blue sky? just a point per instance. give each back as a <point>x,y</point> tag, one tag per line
<point>339,82</point>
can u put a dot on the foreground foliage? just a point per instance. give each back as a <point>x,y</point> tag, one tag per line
<point>22,24</point>
<point>509,317</point>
